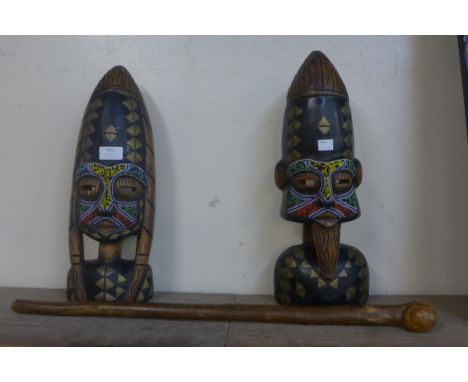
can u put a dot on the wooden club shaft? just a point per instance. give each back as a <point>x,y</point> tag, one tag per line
<point>413,316</point>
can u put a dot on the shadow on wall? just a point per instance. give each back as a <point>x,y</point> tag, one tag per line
<point>436,167</point>
<point>162,258</point>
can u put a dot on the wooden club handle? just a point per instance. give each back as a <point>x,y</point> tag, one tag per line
<point>413,316</point>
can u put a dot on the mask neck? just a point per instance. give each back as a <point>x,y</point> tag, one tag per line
<point>109,252</point>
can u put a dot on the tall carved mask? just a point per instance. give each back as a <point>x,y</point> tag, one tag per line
<point>113,191</point>
<point>318,175</point>
<point>318,172</point>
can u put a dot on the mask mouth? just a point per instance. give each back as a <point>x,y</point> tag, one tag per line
<point>105,227</point>
<point>327,220</point>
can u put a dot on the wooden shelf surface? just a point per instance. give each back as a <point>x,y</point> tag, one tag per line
<point>35,330</point>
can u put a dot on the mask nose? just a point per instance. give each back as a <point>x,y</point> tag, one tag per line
<point>326,203</point>
<point>105,214</point>
<point>105,204</point>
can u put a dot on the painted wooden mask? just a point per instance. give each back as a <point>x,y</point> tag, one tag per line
<point>318,172</point>
<point>113,183</point>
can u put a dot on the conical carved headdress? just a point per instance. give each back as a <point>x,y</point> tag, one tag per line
<point>317,121</point>
<point>115,117</point>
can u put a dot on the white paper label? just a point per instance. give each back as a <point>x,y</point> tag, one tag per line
<point>110,153</point>
<point>325,144</point>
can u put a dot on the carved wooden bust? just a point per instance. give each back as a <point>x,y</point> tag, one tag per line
<point>318,175</point>
<point>113,194</point>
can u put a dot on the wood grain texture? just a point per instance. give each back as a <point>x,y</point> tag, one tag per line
<point>413,316</point>
<point>35,330</point>
<point>317,76</point>
<point>326,241</point>
<point>21,330</point>
<point>451,328</point>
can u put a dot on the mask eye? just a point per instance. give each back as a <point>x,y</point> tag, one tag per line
<point>127,188</point>
<point>89,188</point>
<point>306,182</point>
<point>342,182</point>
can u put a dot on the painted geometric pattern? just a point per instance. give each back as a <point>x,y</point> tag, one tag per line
<point>348,130</point>
<point>324,126</point>
<point>124,215</point>
<point>133,131</point>
<point>293,126</point>
<point>133,128</point>
<point>298,282</point>
<point>308,206</point>
<point>89,129</point>
<point>110,282</point>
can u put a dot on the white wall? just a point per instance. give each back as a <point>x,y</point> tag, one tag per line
<point>216,106</point>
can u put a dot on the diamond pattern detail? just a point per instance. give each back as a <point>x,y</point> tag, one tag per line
<point>119,292</point>
<point>323,125</point>
<point>300,290</point>
<point>294,126</point>
<point>348,140</point>
<point>109,297</point>
<point>290,262</point>
<point>350,293</point>
<point>294,112</point>
<point>293,142</point>
<point>334,284</point>
<point>345,111</point>
<point>294,155</point>
<point>347,126</point>
<point>133,117</point>
<point>100,283</point>
<point>90,129</point>
<point>110,133</point>
<point>91,116</point>
<point>314,274</point>
<point>134,157</point>
<point>87,143</point>
<point>146,285</point>
<point>134,130</point>
<point>120,279</point>
<point>343,274</point>
<point>130,104</point>
<point>324,129</point>
<point>134,143</point>
<point>96,104</point>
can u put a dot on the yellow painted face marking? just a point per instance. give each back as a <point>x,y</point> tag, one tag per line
<point>106,174</point>
<point>326,168</point>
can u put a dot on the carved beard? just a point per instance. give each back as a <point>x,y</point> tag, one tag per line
<point>327,245</point>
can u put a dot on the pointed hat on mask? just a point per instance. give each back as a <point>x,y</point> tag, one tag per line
<point>115,127</point>
<point>317,121</point>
